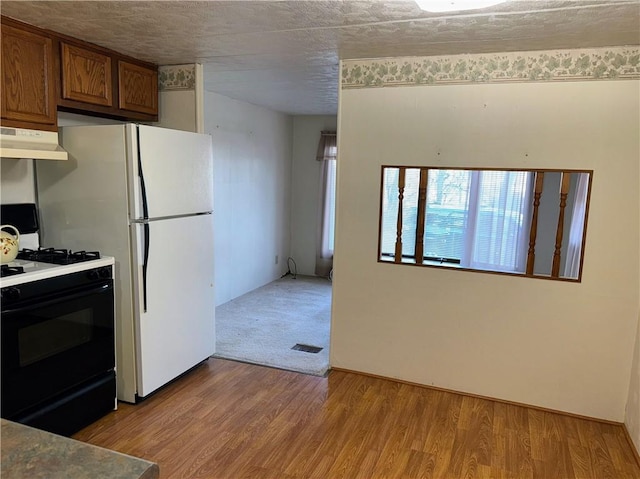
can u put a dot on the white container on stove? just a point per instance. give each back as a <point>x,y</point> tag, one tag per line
<point>9,244</point>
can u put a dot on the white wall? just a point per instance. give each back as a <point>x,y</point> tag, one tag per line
<point>17,179</point>
<point>305,188</point>
<point>632,416</point>
<point>73,119</point>
<point>180,102</point>
<point>177,110</point>
<point>252,192</point>
<point>565,346</point>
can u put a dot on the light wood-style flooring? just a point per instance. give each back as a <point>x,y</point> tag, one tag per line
<point>233,420</point>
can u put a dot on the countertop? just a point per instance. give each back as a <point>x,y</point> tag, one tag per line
<point>35,454</point>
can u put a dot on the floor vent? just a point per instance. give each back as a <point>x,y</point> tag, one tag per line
<point>305,348</point>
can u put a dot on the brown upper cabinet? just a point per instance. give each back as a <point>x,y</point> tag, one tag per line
<point>86,75</point>
<point>97,81</point>
<point>28,90</point>
<point>138,88</point>
<point>42,70</point>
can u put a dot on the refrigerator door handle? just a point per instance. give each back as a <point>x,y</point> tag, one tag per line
<point>145,263</point>
<point>145,215</point>
<point>146,239</point>
<point>143,189</point>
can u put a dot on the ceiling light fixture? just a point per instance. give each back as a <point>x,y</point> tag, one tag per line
<point>439,6</point>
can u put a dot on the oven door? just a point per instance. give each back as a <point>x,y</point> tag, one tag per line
<point>52,345</point>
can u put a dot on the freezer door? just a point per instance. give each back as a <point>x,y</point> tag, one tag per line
<point>176,329</point>
<point>171,172</point>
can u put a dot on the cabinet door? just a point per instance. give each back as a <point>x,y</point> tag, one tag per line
<point>28,94</point>
<point>86,76</point>
<point>138,88</point>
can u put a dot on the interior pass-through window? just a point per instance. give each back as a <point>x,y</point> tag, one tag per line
<point>521,222</point>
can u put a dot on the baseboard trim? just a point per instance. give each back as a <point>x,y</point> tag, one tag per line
<point>636,453</point>
<point>489,398</point>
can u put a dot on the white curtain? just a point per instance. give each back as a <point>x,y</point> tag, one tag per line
<point>498,216</point>
<point>327,154</point>
<point>576,232</point>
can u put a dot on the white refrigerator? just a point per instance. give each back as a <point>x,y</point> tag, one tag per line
<point>144,195</point>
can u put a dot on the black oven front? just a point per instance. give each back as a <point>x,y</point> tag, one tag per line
<point>58,354</point>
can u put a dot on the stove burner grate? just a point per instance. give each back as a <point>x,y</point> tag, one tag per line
<point>6,270</point>
<point>57,256</point>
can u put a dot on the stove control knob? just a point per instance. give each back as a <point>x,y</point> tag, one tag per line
<point>10,293</point>
<point>93,274</point>
<point>104,273</point>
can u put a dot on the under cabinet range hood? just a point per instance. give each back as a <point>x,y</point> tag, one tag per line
<point>30,144</point>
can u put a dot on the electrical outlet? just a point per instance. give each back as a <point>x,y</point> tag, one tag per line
<point>277,259</point>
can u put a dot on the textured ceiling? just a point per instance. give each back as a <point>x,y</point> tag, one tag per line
<point>284,54</point>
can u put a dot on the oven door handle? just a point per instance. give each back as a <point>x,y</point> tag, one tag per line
<point>59,298</point>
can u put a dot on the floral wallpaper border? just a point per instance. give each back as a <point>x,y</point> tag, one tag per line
<point>177,77</point>
<point>611,63</point>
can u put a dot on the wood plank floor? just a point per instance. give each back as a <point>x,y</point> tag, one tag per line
<point>232,420</point>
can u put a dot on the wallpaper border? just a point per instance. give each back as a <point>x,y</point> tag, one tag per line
<point>610,63</point>
<point>177,77</point>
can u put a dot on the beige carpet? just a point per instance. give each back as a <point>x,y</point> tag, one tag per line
<point>262,326</point>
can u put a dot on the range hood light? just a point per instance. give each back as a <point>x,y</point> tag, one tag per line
<point>440,6</point>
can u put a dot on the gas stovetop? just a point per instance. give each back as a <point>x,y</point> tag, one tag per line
<point>42,263</point>
<point>57,256</point>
